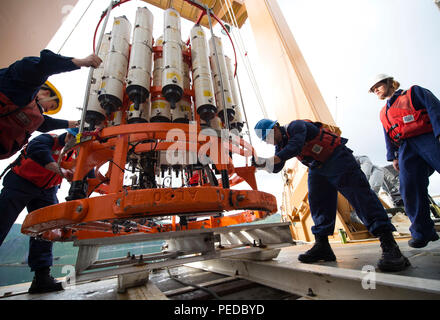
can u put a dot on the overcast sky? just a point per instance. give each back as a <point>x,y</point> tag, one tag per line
<point>345,43</point>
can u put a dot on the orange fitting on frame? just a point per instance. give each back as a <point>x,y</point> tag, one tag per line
<point>131,204</point>
<point>120,202</point>
<point>51,217</point>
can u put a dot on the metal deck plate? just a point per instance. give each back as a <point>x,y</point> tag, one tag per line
<point>352,276</point>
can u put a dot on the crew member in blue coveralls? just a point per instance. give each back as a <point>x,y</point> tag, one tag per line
<point>25,94</point>
<point>332,168</point>
<point>33,182</point>
<point>411,122</point>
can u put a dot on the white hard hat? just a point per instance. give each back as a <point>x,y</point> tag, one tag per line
<point>380,77</point>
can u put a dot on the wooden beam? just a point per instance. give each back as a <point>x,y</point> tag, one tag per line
<point>223,10</point>
<point>26,27</point>
<point>240,12</point>
<point>189,12</point>
<point>288,86</point>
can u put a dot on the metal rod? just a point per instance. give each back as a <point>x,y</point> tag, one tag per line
<point>244,111</point>
<point>225,114</point>
<point>224,173</point>
<point>89,79</point>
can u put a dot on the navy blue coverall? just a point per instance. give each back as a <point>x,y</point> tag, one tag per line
<point>19,193</point>
<point>340,172</point>
<point>418,157</point>
<point>22,80</point>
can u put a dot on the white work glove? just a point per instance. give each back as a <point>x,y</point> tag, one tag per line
<point>266,164</point>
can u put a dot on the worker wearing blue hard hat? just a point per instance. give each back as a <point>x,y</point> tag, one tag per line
<point>332,168</point>
<point>27,98</point>
<point>263,127</point>
<point>411,122</point>
<point>32,183</point>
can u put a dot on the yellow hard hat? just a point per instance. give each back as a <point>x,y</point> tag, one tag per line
<point>56,95</point>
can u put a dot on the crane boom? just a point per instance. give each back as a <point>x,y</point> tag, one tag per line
<point>296,95</point>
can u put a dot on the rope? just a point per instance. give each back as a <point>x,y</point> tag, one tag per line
<point>253,81</point>
<point>209,291</point>
<point>76,25</point>
<point>243,53</point>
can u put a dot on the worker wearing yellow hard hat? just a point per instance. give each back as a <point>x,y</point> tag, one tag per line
<point>54,95</point>
<point>26,101</point>
<point>27,98</point>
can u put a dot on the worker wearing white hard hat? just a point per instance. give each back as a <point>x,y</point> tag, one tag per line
<point>382,77</point>
<point>411,122</point>
<point>27,98</point>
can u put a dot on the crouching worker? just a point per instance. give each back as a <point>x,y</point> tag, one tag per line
<point>33,182</point>
<point>332,168</point>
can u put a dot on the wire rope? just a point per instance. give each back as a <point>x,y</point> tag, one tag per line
<point>244,55</point>
<point>74,28</point>
<point>211,292</point>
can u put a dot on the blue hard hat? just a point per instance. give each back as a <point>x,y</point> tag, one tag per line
<point>263,126</point>
<point>73,131</point>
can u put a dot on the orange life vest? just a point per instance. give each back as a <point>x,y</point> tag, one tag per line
<point>17,124</point>
<point>321,147</point>
<point>401,120</point>
<point>37,174</point>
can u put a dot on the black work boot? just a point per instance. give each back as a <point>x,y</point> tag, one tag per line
<point>43,282</point>
<point>392,259</point>
<point>321,251</point>
<point>416,243</point>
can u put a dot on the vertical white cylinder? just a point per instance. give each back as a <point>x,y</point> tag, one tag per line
<point>95,113</point>
<point>182,113</point>
<point>202,78</point>
<point>139,70</point>
<point>216,123</point>
<point>158,64</point>
<point>117,118</point>
<point>220,71</point>
<point>237,121</point>
<point>172,78</point>
<point>115,68</point>
<point>141,114</point>
<point>160,110</point>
